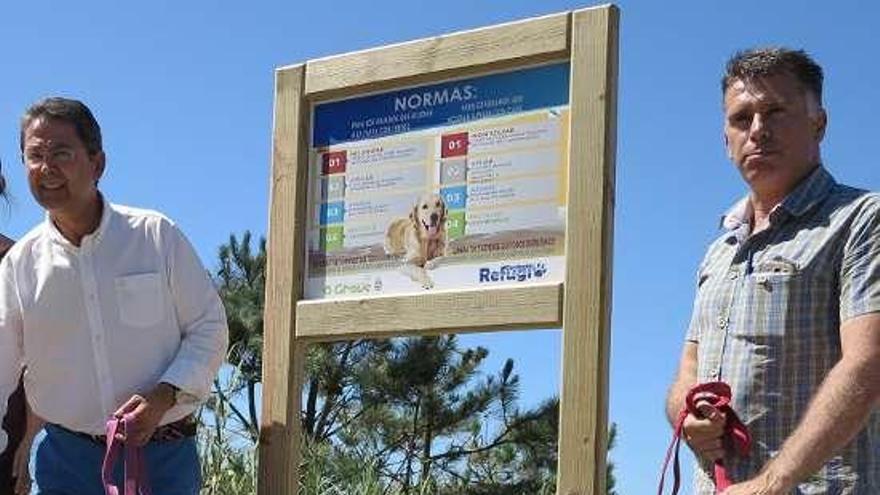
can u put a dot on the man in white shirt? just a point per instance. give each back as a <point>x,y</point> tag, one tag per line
<point>111,312</point>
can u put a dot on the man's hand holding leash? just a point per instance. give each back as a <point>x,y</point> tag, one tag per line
<point>145,412</point>
<point>704,433</point>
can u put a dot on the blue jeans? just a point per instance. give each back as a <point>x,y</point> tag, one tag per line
<point>68,464</point>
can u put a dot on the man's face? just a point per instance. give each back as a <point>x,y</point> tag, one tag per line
<point>772,130</point>
<point>62,175</point>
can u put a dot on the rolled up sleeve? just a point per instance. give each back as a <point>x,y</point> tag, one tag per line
<point>202,320</point>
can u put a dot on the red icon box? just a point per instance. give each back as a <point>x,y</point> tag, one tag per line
<point>334,162</point>
<point>454,145</point>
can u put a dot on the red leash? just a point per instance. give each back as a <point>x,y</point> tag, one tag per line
<point>135,482</point>
<point>717,395</point>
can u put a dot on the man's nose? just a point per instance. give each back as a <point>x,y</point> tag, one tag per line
<point>759,131</point>
<point>47,167</point>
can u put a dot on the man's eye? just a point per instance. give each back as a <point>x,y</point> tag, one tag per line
<point>62,155</point>
<point>740,120</point>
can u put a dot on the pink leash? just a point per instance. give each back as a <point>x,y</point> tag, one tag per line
<point>717,395</point>
<point>135,468</point>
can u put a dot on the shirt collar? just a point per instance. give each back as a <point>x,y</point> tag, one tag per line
<point>810,192</point>
<point>89,239</point>
<point>807,194</point>
<point>738,215</point>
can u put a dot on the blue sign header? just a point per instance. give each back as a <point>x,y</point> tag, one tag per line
<point>448,103</point>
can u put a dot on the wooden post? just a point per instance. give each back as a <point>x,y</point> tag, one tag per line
<point>283,355</point>
<point>587,315</point>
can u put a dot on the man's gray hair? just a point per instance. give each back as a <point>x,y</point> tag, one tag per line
<point>755,63</point>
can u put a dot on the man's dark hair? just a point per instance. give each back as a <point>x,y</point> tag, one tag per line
<point>747,65</point>
<point>67,110</point>
<point>2,182</point>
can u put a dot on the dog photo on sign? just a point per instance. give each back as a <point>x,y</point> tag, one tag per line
<point>419,238</point>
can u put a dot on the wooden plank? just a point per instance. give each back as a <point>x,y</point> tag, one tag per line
<point>587,308</point>
<point>534,38</point>
<point>494,309</point>
<point>283,358</point>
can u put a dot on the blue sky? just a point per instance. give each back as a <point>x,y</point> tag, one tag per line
<point>183,91</point>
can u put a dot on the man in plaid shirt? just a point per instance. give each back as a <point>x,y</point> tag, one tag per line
<point>787,310</point>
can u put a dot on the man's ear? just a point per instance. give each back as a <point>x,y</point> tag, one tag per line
<point>727,145</point>
<point>99,161</point>
<point>820,123</point>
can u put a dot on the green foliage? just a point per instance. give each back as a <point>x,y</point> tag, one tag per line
<point>610,479</point>
<point>226,469</point>
<point>427,416</point>
<point>241,283</point>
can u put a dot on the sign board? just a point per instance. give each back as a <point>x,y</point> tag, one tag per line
<point>459,184</point>
<point>472,173</point>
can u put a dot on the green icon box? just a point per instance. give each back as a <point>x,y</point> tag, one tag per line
<point>455,221</point>
<point>332,237</point>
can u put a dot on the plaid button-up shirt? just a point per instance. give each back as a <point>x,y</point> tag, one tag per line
<point>767,321</point>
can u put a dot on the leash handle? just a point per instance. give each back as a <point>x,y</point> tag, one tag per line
<point>722,481</point>
<point>111,452</point>
<point>674,446</point>
<point>135,468</point>
<point>716,395</point>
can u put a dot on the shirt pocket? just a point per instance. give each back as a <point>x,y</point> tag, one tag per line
<point>140,299</point>
<point>771,300</point>
<point>776,279</point>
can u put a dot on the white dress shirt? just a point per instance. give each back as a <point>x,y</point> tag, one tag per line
<point>130,307</point>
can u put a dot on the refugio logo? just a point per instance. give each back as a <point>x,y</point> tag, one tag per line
<point>514,273</point>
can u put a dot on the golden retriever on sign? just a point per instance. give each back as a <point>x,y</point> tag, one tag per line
<point>420,238</point>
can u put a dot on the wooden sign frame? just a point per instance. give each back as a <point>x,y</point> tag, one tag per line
<point>588,40</point>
